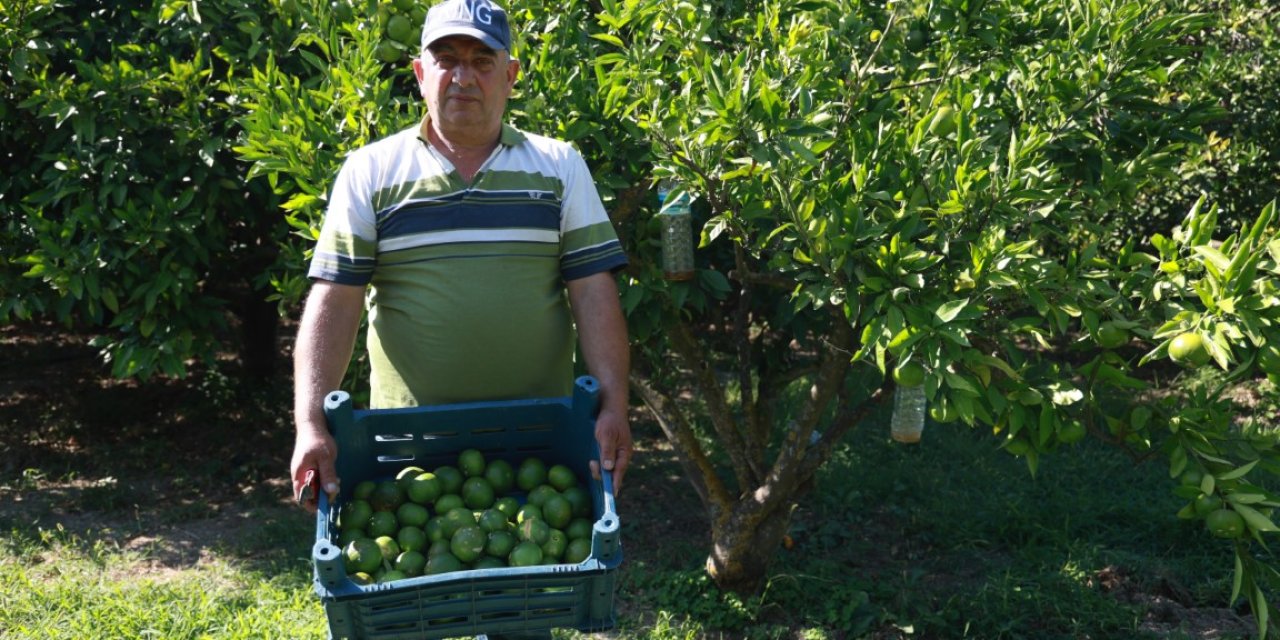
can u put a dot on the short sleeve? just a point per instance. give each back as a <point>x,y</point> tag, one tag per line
<point>588,244</point>
<point>347,248</point>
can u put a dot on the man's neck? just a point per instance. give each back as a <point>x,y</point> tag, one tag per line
<point>467,155</point>
<point>466,148</point>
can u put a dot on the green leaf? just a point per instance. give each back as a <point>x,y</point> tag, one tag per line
<point>1254,518</point>
<point>1239,472</point>
<point>949,310</point>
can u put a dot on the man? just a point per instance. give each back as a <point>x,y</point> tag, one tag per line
<point>463,235</point>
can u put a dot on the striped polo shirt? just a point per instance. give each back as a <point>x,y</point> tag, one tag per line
<point>466,292</point>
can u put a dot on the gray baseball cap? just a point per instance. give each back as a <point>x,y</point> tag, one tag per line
<point>479,19</point>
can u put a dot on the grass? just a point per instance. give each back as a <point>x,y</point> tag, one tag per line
<point>159,510</point>
<point>60,586</point>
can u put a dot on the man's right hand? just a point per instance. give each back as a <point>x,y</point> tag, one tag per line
<point>315,449</point>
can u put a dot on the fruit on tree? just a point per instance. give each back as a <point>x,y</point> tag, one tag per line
<point>1188,349</point>
<point>909,374</point>
<point>1225,523</point>
<point>1111,335</point>
<point>944,121</point>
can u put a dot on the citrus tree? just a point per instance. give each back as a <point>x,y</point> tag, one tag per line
<point>924,187</point>
<point>125,210</point>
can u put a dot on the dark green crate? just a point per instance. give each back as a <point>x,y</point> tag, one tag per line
<point>376,444</point>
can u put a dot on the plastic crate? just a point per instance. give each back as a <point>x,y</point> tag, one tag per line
<point>376,444</point>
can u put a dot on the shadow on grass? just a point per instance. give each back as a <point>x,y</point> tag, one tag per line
<point>175,470</point>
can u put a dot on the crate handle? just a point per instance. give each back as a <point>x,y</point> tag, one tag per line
<point>330,569</point>
<point>604,534</point>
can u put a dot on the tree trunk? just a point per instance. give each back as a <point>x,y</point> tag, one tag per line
<point>259,327</point>
<point>745,542</point>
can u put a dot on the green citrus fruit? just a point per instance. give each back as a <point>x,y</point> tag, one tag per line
<point>529,512</point>
<point>1191,478</point>
<point>579,549</point>
<point>386,496</point>
<point>347,535</point>
<point>382,523</point>
<point>468,543</point>
<point>526,554</point>
<point>412,539</point>
<point>438,547</point>
<point>389,547</point>
<point>541,494</point>
<point>532,472</point>
<point>363,490</point>
<point>363,555</point>
<point>456,520</point>
<point>471,463</point>
<point>536,531</point>
<point>411,514</point>
<point>555,545</point>
<point>493,520</point>
<point>435,529</point>
<point>508,505</point>
<point>579,499</point>
<point>1188,349</point>
<point>501,476</point>
<point>1206,503</point>
<point>424,488</point>
<point>578,528</point>
<point>489,562</point>
<point>361,578</point>
<point>944,122</point>
<point>407,475</point>
<point>442,563</point>
<point>1225,523</point>
<point>500,543</point>
<point>411,563</point>
<point>404,5</point>
<point>355,515</point>
<point>448,502</point>
<point>561,477</point>
<point>909,374</point>
<point>557,512</point>
<point>400,29</point>
<point>392,576</point>
<point>943,411</point>
<point>1111,335</point>
<point>388,52</point>
<point>343,11</point>
<point>477,493</point>
<point>450,479</point>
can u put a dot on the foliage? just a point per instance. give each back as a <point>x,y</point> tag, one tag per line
<point>126,208</point>
<point>1239,69</point>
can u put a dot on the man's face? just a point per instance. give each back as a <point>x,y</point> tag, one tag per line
<point>466,84</point>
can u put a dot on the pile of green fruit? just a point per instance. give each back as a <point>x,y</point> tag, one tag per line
<point>468,516</point>
<point>401,24</point>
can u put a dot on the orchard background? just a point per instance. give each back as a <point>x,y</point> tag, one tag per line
<point>1062,211</point>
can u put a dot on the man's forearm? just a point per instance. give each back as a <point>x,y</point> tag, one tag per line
<point>325,342</point>
<point>602,334</point>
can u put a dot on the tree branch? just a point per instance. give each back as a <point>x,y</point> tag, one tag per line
<point>686,346</point>
<point>698,468</point>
